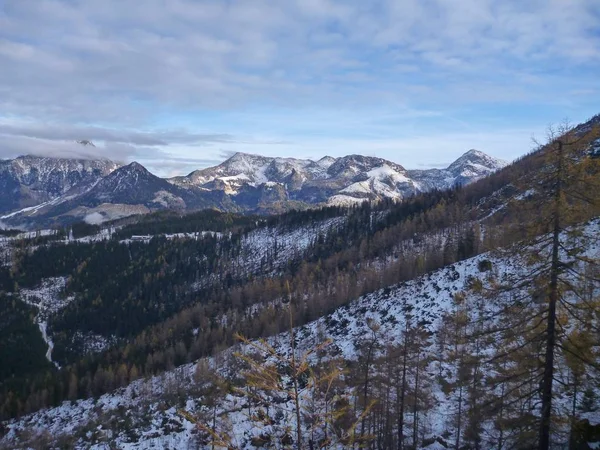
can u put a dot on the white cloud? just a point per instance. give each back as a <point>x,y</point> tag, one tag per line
<point>94,218</point>
<point>124,65</point>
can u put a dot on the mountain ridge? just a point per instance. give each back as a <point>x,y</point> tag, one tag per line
<point>347,179</point>
<point>31,180</point>
<point>243,182</point>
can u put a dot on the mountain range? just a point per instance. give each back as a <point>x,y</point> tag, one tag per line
<point>48,191</point>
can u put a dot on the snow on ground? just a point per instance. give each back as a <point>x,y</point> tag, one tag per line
<point>105,234</point>
<point>195,235</point>
<point>289,244</point>
<point>32,235</point>
<point>345,200</point>
<point>32,209</point>
<point>92,342</point>
<point>48,298</point>
<point>170,236</point>
<point>149,407</point>
<point>428,297</point>
<point>528,193</point>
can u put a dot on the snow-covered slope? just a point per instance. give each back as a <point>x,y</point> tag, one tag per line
<point>429,296</point>
<point>130,189</point>
<point>31,180</point>
<point>45,191</point>
<point>145,414</point>
<point>470,167</point>
<point>344,180</point>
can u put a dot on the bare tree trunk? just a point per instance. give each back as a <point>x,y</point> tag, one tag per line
<point>295,380</point>
<point>574,404</point>
<point>501,417</point>
<point>416,405</point>
<point>366,388</point>
<point>544,443</point>
<point>214,423</point>
<point>402,394</point>
<point>459,423</point>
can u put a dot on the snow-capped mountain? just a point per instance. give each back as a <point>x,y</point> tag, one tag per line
<point>346,180</point>
<point>126,191</point>
<point>470,167</point>
<point>133,183</point>
<point>31,180</point>
<point>244,168</point>
<point>54,190</point>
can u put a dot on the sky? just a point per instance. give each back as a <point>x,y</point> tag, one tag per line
<point>179,85</point>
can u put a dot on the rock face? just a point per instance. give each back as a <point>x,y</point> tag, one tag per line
<point>470,167</point>
<point>48,191</point>
<point>128,190</point>
<point>346,180</point>
<point>31,180</point>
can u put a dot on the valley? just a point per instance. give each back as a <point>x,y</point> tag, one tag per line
<point>421,322</point>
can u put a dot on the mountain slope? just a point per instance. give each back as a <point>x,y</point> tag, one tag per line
<point>59,191</point>
<point>344,180</point>
<point>31,180</point>
<point>150,407</point>
<point>252,270</point>
<point>128,190</point>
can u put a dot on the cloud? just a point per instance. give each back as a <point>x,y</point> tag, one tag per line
<point>110,62</point>
<point>159,150</point>
<point>226,154</point>
<point>124,73</point>
<point>94,218</point>
<point>59,132</point>
<point>13,146</point>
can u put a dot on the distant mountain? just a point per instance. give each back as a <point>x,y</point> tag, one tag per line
<point>470,167</point>
<point>128,190</point>
<point>244,168</point>
<point>55,191</point>
<point>31,180</point>
<point>346,180</point>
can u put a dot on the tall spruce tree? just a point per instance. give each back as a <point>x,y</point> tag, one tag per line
<point>563,194</point>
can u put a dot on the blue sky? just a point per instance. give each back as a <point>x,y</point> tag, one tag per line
<point>180,84</point>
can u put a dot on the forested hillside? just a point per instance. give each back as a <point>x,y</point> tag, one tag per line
<point>442,349</point>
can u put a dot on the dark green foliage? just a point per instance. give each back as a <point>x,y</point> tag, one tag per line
<point>122,289</point>
<point>584,436</point>
<point>22,349</point>
<point>166,222</point>
<point>6,280</point>
<point>82,229</point>
<point>485,265</point>
<point>51,261</point>
<point>9,233</point>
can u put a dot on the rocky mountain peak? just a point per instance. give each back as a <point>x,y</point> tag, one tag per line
<point>242,182</point>
<point>352,165</point>
<point>129,174</point>
<point>326,161</point>
<point>475,163</point>
<point>135,167</point>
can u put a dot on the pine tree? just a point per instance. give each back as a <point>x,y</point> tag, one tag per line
<point>547,292</point>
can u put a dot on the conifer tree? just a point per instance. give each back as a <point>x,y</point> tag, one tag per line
<point>547,292</point>
<point>293,403</point>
